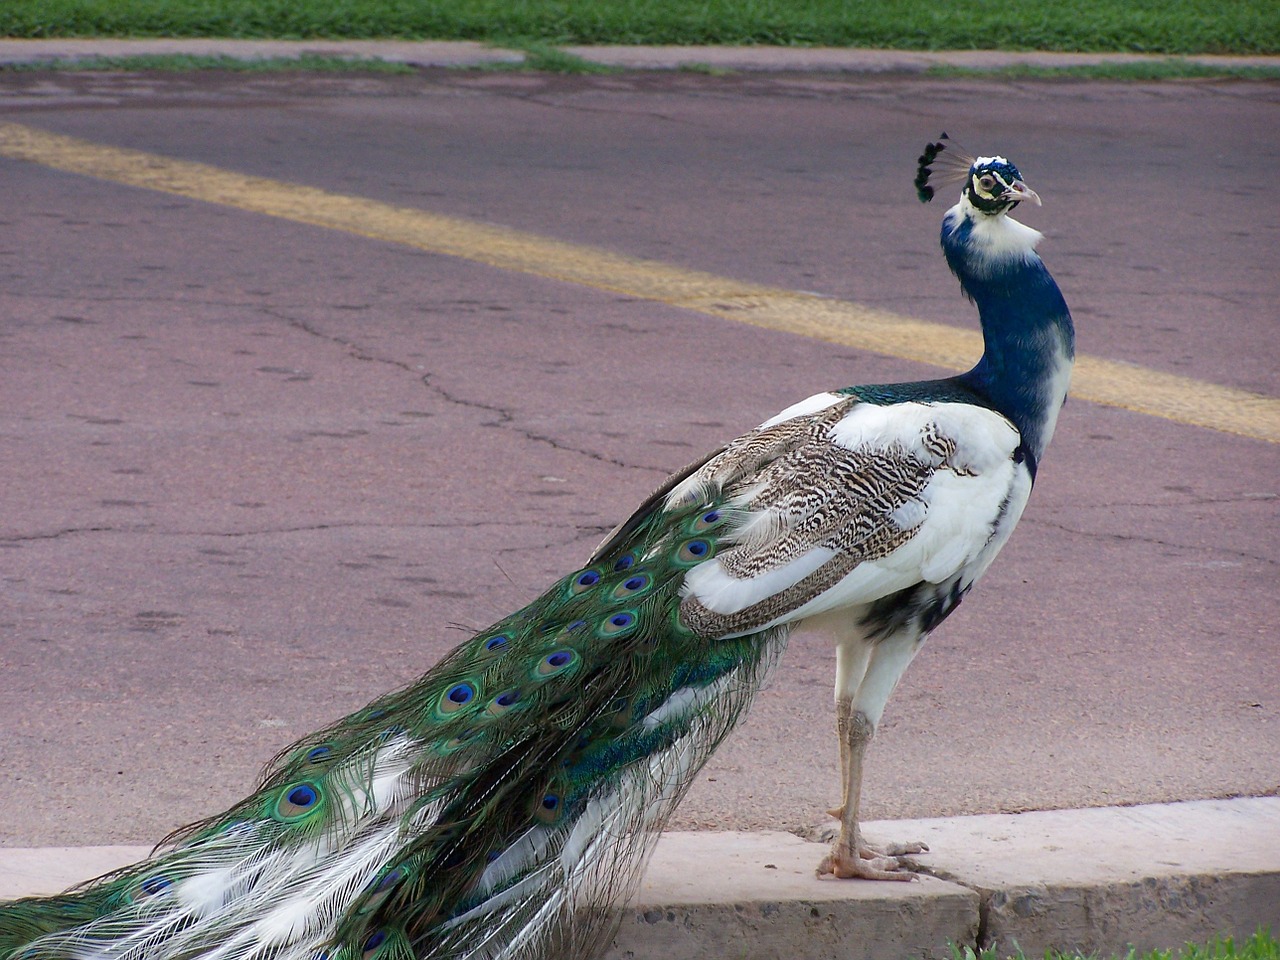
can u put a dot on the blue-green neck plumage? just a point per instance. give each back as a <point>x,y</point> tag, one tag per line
<point>1027,331</point>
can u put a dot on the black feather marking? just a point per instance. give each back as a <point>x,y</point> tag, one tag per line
<point>923,164</point>
<point>921,607</point>
<point>1023,455</point>
<point>943,605</point>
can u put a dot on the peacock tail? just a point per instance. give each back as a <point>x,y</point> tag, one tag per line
<point>503,805</point>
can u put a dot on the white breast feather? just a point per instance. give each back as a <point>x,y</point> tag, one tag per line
<point>961,512</point>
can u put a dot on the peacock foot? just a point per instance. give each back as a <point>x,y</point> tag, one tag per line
<point>865,866</point>
<point>891,850</point>
<point>872,862</point>
<point>869,852</point>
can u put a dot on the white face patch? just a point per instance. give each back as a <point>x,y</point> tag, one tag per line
<point>995,239</point>
<point>990,184</point>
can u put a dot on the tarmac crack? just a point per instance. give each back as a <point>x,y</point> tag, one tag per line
<point>1154,541</point>
<point>54,535</point>
<point>506,419</point>
<point>359,525</point>
<point>81,297</point>
<point>1244,498</point>
<point>353,349</point>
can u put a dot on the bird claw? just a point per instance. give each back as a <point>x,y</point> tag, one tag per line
<point>844,867</point>
<point>872,862</point>
<point>888,850</point>
<point>895,849</point>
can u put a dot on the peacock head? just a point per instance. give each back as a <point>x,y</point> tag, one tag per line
<point>995,186</point>
<point>992,185</point>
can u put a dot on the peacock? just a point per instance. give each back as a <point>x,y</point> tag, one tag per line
<point>504,804</point>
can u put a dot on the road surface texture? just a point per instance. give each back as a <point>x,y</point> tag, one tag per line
<point>258,471</point>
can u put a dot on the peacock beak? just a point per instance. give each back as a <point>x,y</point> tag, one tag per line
<point>1020,191</point>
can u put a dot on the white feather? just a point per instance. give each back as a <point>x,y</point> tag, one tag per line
<point>909,514</point>
<point>515,859</point>
<point>206,893</point>
<point>1056,393</point>
<point>695,487</point>
<point>719,591</point>
<point>994,239</point>
<point>868,581</point>
<point>806,407</point>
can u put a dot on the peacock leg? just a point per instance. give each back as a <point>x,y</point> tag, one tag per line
<point>851,856</point>
<point>853,656</point>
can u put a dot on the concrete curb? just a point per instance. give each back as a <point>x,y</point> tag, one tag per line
<point>847,60</point>
<point>1100,879</point>
<point>433,53</point>
<point>423,54</point>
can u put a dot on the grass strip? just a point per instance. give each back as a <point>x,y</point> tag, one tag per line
<point>546,58</point>
<point>1261,946</point>
<point>1152,26</point>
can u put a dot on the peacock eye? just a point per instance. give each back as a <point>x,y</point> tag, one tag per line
<point>987,182</point>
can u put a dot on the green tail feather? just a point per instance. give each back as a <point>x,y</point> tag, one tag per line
<point>510,739</point>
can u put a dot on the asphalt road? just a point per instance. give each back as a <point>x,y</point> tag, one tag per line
<point>256,472</point>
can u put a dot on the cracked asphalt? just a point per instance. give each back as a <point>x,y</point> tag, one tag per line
<point>256,473</point>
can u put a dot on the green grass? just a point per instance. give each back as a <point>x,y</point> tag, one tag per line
<point>1260,946</point>
<point>544,57</point>
<point>1160,26</point>
<point>182,63</point>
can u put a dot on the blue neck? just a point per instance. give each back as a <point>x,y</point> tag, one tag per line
<point>1026,327</point>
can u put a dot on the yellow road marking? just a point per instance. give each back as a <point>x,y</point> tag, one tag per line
<point>1109,382</point>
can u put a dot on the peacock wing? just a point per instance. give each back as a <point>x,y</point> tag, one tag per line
<point>838,502</point>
